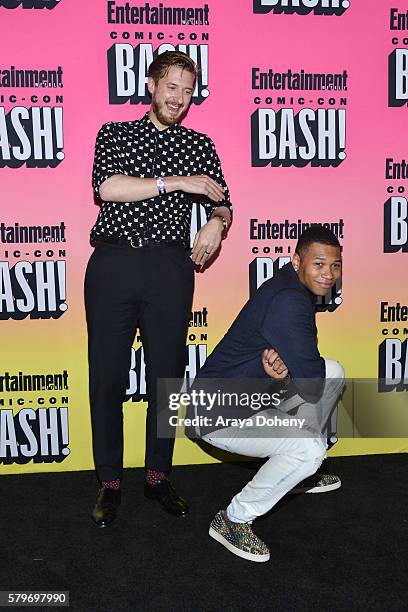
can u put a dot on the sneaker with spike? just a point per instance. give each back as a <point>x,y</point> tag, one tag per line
<point>238,538</point>
<point>318,483</point>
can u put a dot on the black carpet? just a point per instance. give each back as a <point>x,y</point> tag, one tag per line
<point>344,550</point>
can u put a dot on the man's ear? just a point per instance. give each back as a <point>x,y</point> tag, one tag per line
<point>151,85</point>
<point>296,262</point>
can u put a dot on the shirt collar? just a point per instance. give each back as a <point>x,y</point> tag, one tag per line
<point>172,129</point>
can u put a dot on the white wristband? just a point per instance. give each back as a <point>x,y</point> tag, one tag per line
<point>161,185</point>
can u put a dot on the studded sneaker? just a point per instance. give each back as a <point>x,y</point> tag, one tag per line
<point>238,538</point>
<point>318,483</point>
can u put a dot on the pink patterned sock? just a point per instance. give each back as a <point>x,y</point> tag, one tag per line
<point>154,477</point>
<point>111,484</point>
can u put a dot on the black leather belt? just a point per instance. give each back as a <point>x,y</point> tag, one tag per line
<point>137,242</point>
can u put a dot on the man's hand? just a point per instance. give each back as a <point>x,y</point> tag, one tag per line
<point>203,185</point>
<point>273,364</point>
<point>207,241</point>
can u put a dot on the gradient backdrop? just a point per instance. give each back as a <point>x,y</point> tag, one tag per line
<point>76,36</point>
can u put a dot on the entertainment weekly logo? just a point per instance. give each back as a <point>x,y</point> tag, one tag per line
<point>262,269</point>
<point>128,66</point>
<point>33,275</point>
<point>396,225</point>
<point>392,365</point>
<point>285,138</point>
<point>301,7</point>
<point>392,352</point>
<point>29,4</point>
<point>34,434</point>
<point>137,387</point>
<point>33,289</point>
<point>398,58</point>
<point>33,137</point>
<point>34,417</point>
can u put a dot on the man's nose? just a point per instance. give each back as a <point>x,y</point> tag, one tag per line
<point>328,273</point>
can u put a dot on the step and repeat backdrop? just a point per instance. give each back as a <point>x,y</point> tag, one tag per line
<point>306,101</point>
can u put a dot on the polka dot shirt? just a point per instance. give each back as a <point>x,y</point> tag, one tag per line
<point>138,148</point>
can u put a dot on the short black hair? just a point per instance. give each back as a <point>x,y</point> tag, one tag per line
<point>316,233</point>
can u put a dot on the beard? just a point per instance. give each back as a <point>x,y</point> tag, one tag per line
<point>159,111</point>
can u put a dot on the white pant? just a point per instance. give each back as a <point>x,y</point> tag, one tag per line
<point>291,459</point>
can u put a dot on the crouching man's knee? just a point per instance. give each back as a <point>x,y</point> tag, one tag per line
<point>334,369</point>
<point>313,454</point>
<point>334,375</point>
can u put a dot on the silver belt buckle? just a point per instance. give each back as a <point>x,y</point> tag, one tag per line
<point>137,242</point>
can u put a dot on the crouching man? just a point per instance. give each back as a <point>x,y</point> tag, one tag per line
<point>275,337</point>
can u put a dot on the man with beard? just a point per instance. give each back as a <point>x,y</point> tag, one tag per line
<point>147,175</point>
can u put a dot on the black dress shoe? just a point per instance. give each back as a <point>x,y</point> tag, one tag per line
<point>166,495</point>
<point>107,504</point>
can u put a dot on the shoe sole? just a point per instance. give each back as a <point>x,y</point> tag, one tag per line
<point>237,551</point>
<point>326,489</point>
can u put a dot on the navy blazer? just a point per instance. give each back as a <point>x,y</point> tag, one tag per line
<point>281,315</point>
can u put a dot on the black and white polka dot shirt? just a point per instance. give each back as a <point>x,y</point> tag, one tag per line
<point>138,148</point>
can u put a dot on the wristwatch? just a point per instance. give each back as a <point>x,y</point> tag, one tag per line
<point>223,219</point>
<point>161,185</point>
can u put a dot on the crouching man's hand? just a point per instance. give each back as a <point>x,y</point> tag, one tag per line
<point>273,364</point>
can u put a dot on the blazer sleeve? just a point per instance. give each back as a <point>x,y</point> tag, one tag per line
<point>289,327</point>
